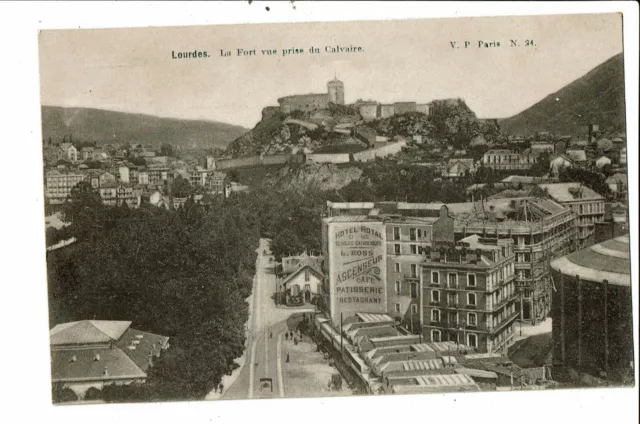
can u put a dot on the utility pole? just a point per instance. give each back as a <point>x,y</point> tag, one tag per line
<point>341,351</point>
<point>606,329</point>
<point>521,305</point>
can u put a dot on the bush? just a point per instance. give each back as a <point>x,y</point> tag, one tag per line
<point>60,394</point>
<point>93,394</point>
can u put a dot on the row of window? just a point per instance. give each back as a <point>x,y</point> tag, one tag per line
<point>414,249</point>
<point>452,279</point>
<point>472,339</point>
<point>413,268</point>
<point>414,308</point>
<point>452,298</point>
<point>414,289</point>
<point>414,233</point>
<point>471,318</point>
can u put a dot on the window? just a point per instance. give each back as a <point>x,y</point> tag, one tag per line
<point>419,233</point>
<point>453,280</point>
<point>306,275</point>
<point>414,271</point>
<point>398,268</point>
<point>452,299</point>
<point>397,308</point>
<point>435,315</point>
<point>471,299</point>
<point>412,234</point>
<point>435,335</point>
<point>414,309</point>
<point>471,280</point>
<point>414,249</point>
<point>396,233</point>
<point>472,340</point>
<point>397,287</point>
<point>453,318</point>
<point>435,295</point>
<point>472,319</point>
<point>396,249</point>
<point>414,290</point>
<point>435,277</point>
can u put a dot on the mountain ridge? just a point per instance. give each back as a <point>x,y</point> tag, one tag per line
<point>597,97</point>
<point>105,126</point>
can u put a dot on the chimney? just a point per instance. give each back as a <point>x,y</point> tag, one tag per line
<point>105,372</point>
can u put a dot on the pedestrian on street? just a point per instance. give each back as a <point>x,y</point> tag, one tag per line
<point>271,335</point>
<point>286,335</point>
<point>295,341</point>
<point>221,387</point>
<point>287,358</point>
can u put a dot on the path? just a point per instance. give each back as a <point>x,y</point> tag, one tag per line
<point>266,325</point>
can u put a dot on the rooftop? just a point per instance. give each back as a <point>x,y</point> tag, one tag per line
<point>609,260</point>
<point>568,192</point>
<point>87,332</point>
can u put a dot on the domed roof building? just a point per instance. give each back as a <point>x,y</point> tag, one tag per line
<point>592,313</point>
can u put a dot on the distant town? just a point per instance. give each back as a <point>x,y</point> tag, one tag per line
<point>436,254</point>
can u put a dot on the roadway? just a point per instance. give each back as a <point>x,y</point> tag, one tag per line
<point>265,332</point>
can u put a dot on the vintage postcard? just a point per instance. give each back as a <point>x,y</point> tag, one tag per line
<point>309,210</point>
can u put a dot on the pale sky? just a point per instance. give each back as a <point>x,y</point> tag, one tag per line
<point>131,70</point>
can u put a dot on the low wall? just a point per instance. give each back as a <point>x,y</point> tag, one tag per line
<point>328,157</point>
<point>253,161</point>
<point>379,152</point>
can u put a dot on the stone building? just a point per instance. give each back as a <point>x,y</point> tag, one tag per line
<point>470,293</point>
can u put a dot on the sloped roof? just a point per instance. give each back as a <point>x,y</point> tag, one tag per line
<point>87,332</point>
<point>90,364</point>
<point>563,192</point>
<point>145,345</point>
<point>617,177</point>
<point>299,270</point>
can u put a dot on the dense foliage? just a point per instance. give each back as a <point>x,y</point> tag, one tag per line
<point>594,180</point>
<point>184,274</point>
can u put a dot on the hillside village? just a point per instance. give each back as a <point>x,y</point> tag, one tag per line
<point>470,226</point>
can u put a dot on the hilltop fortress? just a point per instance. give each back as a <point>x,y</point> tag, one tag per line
<point>368,110</point>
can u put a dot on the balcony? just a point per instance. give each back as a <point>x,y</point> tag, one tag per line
<point>504,301</point>
<point>508,320</point>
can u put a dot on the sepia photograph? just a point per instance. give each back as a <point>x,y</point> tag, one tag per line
<point>337,209</point>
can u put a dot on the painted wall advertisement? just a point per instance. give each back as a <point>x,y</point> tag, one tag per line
<point>357,268</point>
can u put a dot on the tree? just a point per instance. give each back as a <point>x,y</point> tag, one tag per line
<point>542,165</point>
<point>233,176</point>
<point>180,187</point>
<point>139,161</point>
<point>166,150</point>
<point>60,394</point>
<point>93,394</point>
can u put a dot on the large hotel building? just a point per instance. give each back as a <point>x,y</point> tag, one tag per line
<point>463,272</point>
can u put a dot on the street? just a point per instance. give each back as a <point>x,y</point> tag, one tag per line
<point>267,323</point>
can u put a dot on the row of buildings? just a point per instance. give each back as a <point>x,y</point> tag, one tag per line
<point>596,154</point>
<point>477,265</point>
<point>462,274</point>
<point>132,184</point>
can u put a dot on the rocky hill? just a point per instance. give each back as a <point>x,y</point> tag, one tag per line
<point>450,122</point>
<point>282,133</point>
<point>311,176</point>
<point>105,126</point>
<point>597,97</point>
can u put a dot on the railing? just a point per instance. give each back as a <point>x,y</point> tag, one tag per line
<point>504,323</point>
<point>504,301</point>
